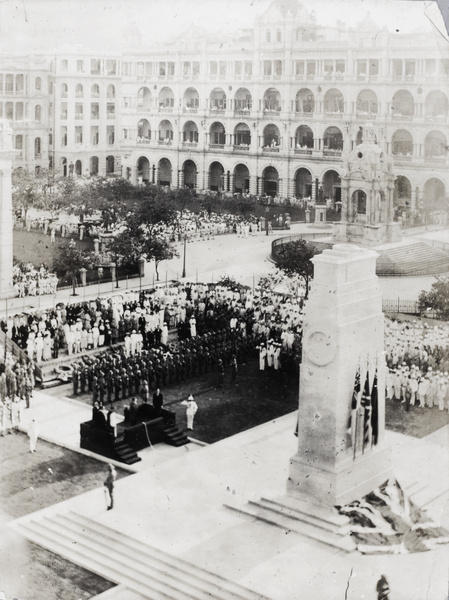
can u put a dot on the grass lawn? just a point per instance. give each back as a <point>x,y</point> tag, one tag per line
<point>417,422</point>
<point>35,247</point>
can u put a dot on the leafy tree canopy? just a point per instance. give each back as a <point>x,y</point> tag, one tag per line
<point>294,258</point>
<point>436,299</point>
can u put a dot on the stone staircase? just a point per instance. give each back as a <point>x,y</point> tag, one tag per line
<point>292,514</point>
<point>413,259</point>
<point>124,453</point>
<point>113,555</point>
<point>174,436</point>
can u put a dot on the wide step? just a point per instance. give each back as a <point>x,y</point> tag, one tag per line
<point>119,558</point>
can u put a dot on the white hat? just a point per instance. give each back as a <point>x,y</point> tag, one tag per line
<point>190,397</point>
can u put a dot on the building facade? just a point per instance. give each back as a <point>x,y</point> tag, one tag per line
<point>271,111</point>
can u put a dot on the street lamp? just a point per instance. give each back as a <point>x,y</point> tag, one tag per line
<point>184,261</point>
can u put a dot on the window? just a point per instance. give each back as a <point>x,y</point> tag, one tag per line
<point>79,91</point>
<point>311,68</point>
<point>162,69</point>
<point>9,83</point>
<point>148,69</point>
<point>223,69</point>
<point>278,68</point>
<point>238,68</point>
<point>186,69</point>
<point>94,135</point>
<point>63,136</point>
<point>410,67</point>
<point>111,67</point>
<point>94,110</point>
<point>1,82</point>
<point>248,69</point>
<point>64,64</point>
<point>64,90</point>
<point>80,66</point>
<point>213,68</point>
<point>219,137</point>
<point>19,83</point>
<point>50,139</point>
<point>50,87</point>
<point>299,68</point>
<point>196,69</point>
<point>267,68</point>
<point>50,109</point>
<point>110,134</point>
<point>268,36</point>
<point>78,110</point>
<point>19,111</point>
<point>328,68</point>
<point>95,66</point>
<point>9,111</point>
<point>373,67</point>
<point>171,69</point>
<point>431,67</point>
<point>1,110</point>
<point>37,113</point>
<point>126,69</point>
<point>110,110</point>
<point>37,147</point>
<point>278,35</point>
<point>361,68</point>
<point>19,142</point>
<point>78,135</point>
<point>340,68</point>
<point>38,84</point>
<point>95,90</point>
<point>397,68</point>
<point>111,91</point>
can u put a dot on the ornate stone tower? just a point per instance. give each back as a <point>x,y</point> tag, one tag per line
<point>367,195</point>
<point>6,222</point>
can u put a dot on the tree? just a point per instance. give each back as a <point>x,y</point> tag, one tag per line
<point>36,189</point>
<point>436,299</point>
<point>294,258</point>
<point>158,249</point>
<point>70,261</point>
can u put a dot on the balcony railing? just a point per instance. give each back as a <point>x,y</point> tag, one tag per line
<point>241,148</point>
<point>403,157</point>
<point>217,111</point>
<point>216,146</point>
<point>168,109</point>
<point>329,152</point>
<point>270,149</point>
<point>164,142</point>
<point>303,151</point>
<point>189,144</point>
<point>79,116</point>
<point>143,140</point>
<point>188,109</point>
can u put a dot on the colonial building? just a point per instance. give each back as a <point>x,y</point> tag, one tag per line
<point>271,111</point>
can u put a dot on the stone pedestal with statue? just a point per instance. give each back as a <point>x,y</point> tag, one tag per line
<point>367,190</point>
<point>7,155</point>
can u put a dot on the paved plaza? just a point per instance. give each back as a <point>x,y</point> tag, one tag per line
<point>177,499</point>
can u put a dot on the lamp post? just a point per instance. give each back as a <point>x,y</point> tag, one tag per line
<point>83,272</point>
<point>100,275</point>
<point>141,264</point>
<point>184,261</point>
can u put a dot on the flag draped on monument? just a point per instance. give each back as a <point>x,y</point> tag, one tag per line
<point>366,404</point>
<point>374,411</point>
<point>352,421</point>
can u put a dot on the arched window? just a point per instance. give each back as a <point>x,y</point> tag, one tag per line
<point>95,90</point>
<point>111,91</point>
<point>37,147</point>
<point>64,90</point>
<point>79,91</point>
<point>38,84</point>
<point>19,142</point>
<point>37,113</point>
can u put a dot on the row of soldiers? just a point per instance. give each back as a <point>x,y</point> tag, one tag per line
<point>16,385</point>
<point>411,386</point>
<point>113,376</point>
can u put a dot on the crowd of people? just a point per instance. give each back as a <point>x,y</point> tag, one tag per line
<point>16,387</point>
<point>29,281</point>
<point>417,356</point>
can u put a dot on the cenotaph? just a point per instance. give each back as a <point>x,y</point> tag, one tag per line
<point>341,453</point>
<point>367,189</point>
<point>6,221</point>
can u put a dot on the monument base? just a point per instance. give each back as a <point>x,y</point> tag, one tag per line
<point>366,235</point>
<point>7,293</point>
<point>349,480</point>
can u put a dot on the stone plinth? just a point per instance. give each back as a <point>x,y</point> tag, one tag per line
<point>343,329</point>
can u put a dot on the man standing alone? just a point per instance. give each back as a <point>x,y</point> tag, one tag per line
<point>109,486</point>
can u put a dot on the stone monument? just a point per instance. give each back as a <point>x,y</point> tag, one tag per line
<point>6,221</point>
<point>367,195</point>
<point>341,455</point>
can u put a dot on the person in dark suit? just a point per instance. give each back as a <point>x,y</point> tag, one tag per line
<point>158,400</point>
